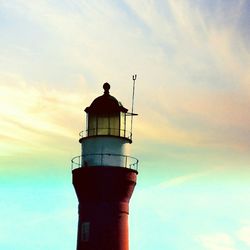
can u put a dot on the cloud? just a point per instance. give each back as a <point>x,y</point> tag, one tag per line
<point>34,114</point>
<point>226,241</point>
<point>192,96</point>
<point>243,235</point>
<point>192,87</point>
<point>217,241</point>
<point>203,91</point>
<point>180,180</point>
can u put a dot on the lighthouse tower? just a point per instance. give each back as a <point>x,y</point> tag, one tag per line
<point>104,176</point>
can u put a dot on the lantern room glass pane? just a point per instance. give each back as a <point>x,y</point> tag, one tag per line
<point>114,123</point>
<point>92,125</point>
<point>103,125</point>
<point>122,124</point>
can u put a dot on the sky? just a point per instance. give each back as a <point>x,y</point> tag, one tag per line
<point>192,136</point>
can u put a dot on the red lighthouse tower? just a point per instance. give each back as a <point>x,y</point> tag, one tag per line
<point>104,176</point>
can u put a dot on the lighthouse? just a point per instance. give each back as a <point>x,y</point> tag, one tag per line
<point>104,175</point>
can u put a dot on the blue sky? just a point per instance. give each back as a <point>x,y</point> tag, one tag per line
<point>192,134</point>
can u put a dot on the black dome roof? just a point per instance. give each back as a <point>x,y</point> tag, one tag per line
<point>105,104</point>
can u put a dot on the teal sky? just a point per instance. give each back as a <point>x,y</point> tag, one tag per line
<point>192,135</point>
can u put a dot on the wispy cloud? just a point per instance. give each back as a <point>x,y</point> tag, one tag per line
<point>230,240</point>
<point>192,87</point>
<point>32,114</point>
<point>203,89</point>
<point>243,235</point>
<point>180,180</point>
<point>192,96</point>
<point>217,241</point>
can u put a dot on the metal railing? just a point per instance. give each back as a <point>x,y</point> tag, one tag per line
<point>108,160</point>
<point>106,131</point>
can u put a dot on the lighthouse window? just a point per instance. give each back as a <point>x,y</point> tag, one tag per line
<point>92,125</point>
<point>103,125</point>
<point>85,231</point>
<point>123,124</point>
<point>114,125</point>
<point>106,124</point>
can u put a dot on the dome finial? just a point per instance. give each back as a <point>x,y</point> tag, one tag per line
<point>106,88</point>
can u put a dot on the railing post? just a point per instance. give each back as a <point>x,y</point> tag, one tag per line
<point>126,161</point>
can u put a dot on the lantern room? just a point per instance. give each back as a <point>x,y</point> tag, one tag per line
<point>106,116</point>
<point>106,140</point>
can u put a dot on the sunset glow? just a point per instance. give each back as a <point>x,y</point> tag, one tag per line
<point>192,135</point>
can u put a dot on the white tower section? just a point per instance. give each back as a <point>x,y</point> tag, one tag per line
<point>106,141</point>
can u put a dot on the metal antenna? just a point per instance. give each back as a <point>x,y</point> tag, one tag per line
<point>132,108</point>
